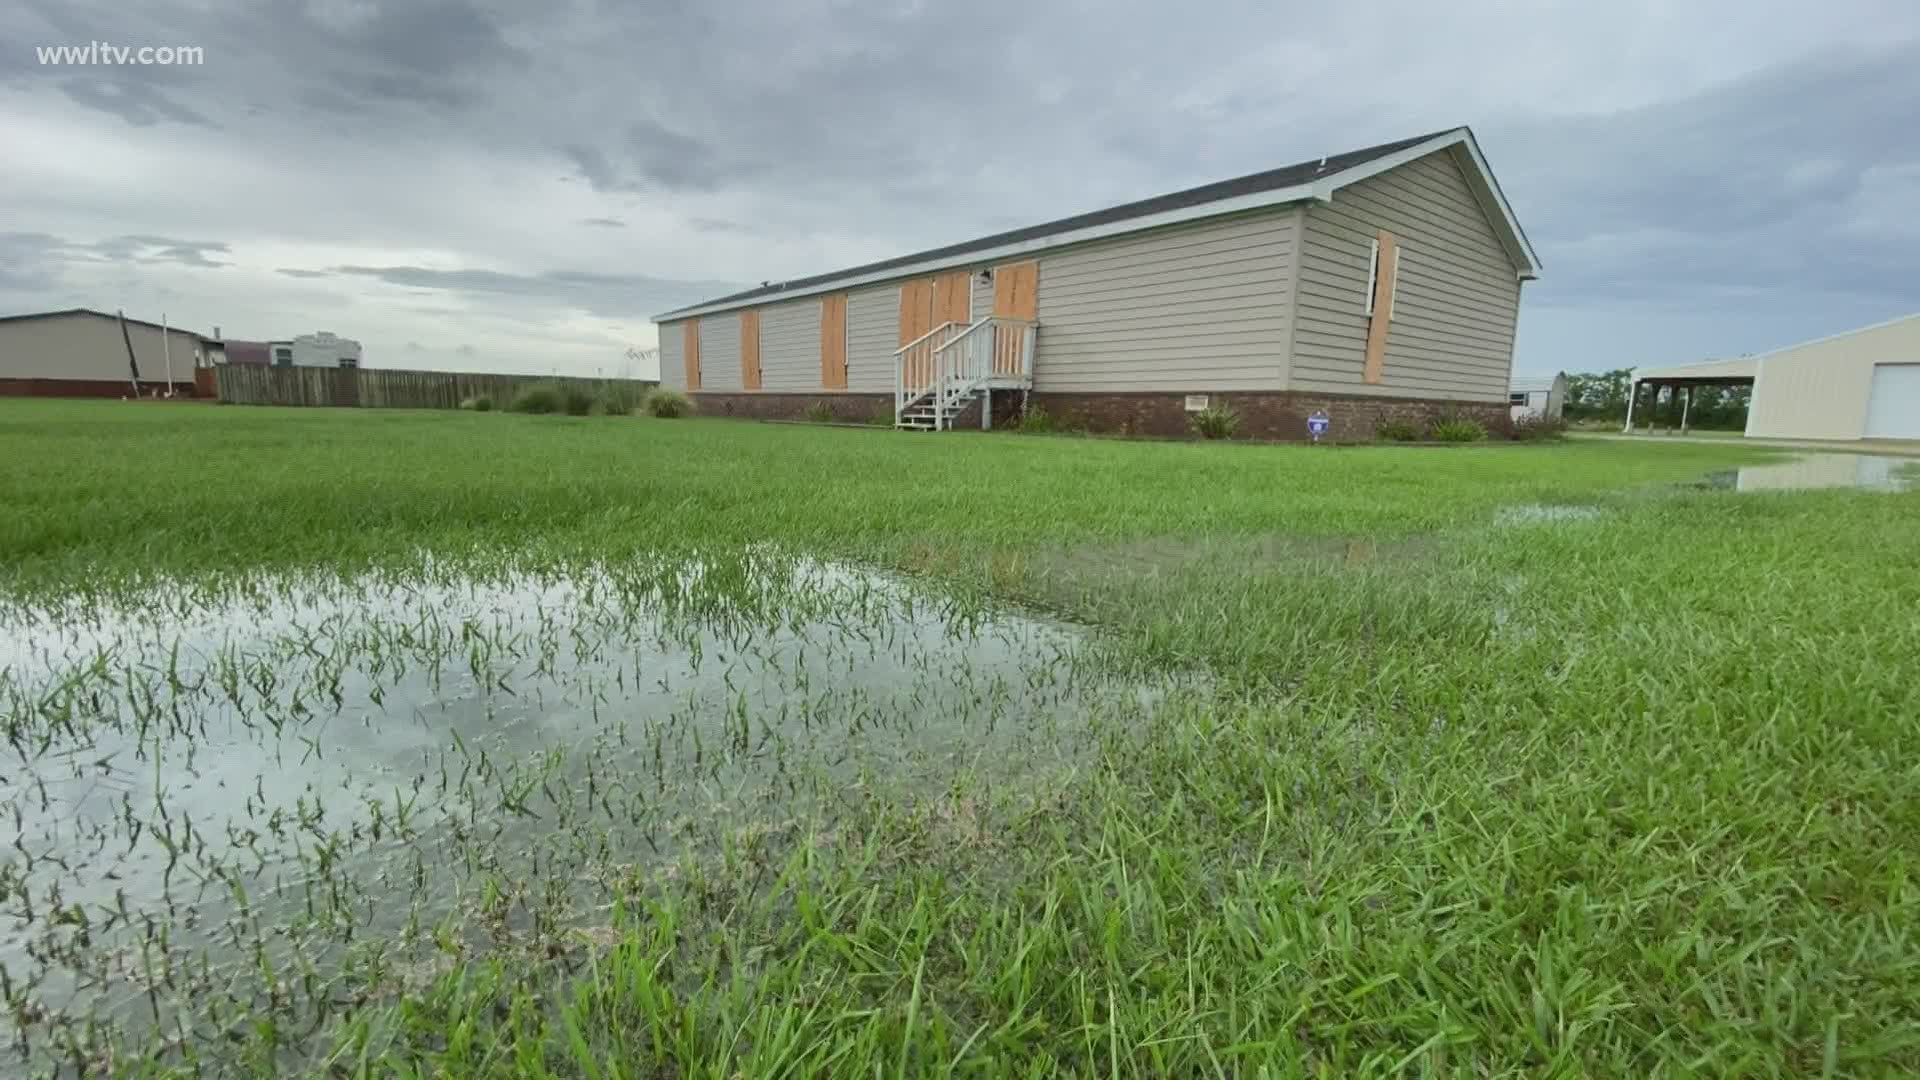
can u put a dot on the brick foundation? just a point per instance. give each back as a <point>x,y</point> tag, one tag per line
<point>1263,414</point>
<point>1278,415</point>
<point>845,408</point>
<point>89,388</point>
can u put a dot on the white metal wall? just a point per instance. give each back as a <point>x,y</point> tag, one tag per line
<point>1820,390</point>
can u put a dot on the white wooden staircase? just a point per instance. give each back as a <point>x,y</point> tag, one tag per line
<point>945,370</point>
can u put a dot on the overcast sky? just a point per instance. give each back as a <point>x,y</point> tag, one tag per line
<point>517,186</point>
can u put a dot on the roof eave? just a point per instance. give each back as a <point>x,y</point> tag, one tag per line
<point>1321,190</point>
<point>1217,208</point>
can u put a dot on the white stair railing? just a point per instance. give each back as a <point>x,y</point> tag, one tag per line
<point>940,372</point>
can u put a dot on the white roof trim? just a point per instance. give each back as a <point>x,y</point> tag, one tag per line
<point>1739,367</point>
<point>1462,137</point>
<point>1321,190</point>
<point>1835,337</point>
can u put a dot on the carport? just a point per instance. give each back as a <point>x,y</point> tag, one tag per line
<point>1684,377</point>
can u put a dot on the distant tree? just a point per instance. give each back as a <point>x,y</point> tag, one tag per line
<point>1597,395</point>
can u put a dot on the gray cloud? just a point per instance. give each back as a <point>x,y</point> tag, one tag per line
<point>1678,196</point>
<point>612,295</point>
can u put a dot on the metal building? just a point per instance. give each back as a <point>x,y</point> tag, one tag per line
<point>1861,384</point>
<point>84,353</point>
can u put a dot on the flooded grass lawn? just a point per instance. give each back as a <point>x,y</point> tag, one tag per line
<point>361,743</point>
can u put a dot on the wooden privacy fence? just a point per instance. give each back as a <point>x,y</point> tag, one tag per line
<point>378,388</point>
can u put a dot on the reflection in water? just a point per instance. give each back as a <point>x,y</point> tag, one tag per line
<point>385,777</point>
<point>1866,471</point>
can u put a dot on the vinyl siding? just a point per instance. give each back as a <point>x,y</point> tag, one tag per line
<point>790,347</point>
<point>90,347</point>
<point>1191,307</point>
<point>673,360</point>
<point>873,331</point>
<point>1455,300</point>
<point>720,353</point>
<point>982,294</point>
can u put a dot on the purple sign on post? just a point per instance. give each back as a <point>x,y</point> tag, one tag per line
<point>1317,425</point>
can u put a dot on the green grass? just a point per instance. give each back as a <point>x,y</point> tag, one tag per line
<point>1629,793</point>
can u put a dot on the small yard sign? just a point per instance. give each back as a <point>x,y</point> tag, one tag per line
<point>1317,424</point>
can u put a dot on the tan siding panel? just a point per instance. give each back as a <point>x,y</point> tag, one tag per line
<point>720,352</point>
<point>1456,292</point>
<point>673,364</point>
<point>790,347</point>
<point>872,324</point>
<point>1194,307</point>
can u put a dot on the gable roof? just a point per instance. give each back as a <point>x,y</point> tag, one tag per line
<point>1530,384</point>
<point>102,315</point>
<point>1317,179</point>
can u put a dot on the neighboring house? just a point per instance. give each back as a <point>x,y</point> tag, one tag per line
<point>320,349</point>
<point>1861,384</point>
<point>1379,283</point>
<point>246,352</point>
<point>82,353</point>
<point>1538,396</point>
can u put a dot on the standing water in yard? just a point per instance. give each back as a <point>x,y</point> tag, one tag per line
<point>263,805</point>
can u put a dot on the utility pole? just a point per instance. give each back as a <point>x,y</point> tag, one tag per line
<point>133,365</point>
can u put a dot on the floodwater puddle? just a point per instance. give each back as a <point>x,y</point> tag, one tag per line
<point>305,777</point>
<point>1867,472</point>
<point>1544,514</point>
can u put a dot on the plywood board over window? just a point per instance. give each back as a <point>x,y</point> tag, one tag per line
<point>750,349</point>
<point>953,298</point>
<point>833,342</point>
<point>1016,295</point>
<point>690,349</point>
<point>1382,277</point>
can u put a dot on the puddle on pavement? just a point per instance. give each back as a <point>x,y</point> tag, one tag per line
<point>1867,472</point>
<point>305,777</point>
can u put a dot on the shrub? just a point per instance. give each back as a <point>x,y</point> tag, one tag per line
<point>538,398</point>
<point>1218,422</point>
<point>1397,431</point>
<point>820,413</point>
<point>1459,429</point>
<point>483,403</point>
<point>882,416</point>
<point>579,400</point>
<point>1539,428</point>
<point>1034,420</point>
<point>668,404</point>
<point>616,403</point>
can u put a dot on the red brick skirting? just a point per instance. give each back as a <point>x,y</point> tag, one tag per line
<point>1263,414</point>
<point>88,388</point>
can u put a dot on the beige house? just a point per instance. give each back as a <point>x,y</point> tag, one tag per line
<point>83,353</point>
<point>1861,384</point>
<point>1379,283</point>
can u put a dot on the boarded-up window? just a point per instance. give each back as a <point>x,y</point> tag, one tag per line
<point>1016,290</point>
<point>1382,276</point>
<point>833,342</point>
<point>750,350</point>
<point>1016,295</point>
<point>690,349</point>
